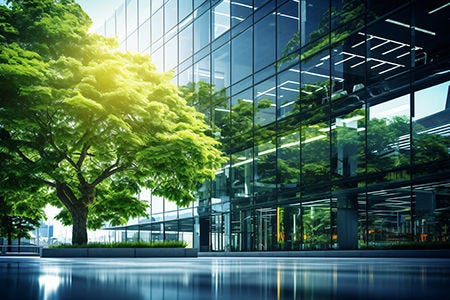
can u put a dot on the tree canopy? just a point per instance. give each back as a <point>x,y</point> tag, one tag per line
<point>93,123</point>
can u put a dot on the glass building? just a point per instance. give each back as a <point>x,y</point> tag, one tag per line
<point>334,116</point>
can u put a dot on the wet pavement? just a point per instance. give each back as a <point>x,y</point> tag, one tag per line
<point>224,278</point>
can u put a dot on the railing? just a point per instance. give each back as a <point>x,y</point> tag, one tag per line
<point>20,250</point>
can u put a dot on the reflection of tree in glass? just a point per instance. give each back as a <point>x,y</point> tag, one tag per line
<point>429,147</point>
<point>384,150</point>
<point>316,223</point>
<point>349,11</point>
<point>315,154</point>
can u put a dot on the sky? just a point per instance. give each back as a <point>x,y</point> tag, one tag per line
<point>99,10</point>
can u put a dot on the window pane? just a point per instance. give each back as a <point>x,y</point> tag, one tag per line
<point>110,27</point>
<point>171,54</point>
<point>241,117</point>
<point>157,59</point>
<point>120,25</point>
<point>185,37</point>
<point>201,32</point>
<point>132,42</point>
<point>315,82</point>
<point>389,53</point>
<point>185,77</point>
<point>221,66</point>
<point>265,104</point>
<point>156,4</point>
<point>184,9</point>
<point>157,25</point>
<point>221,118</point>
<point>315,157</point>
<point>287,28</point>
<point>316,223</point>
<point>388,134</point>
<point>202,70</point>
<point>431,34</point>
<point>431,139</point>
<point>144,10</point>
<point>288,93</point>
<point>315,16</point>
<point>132,16</point>
<point>144,36</point>
<point>242,175</point>
<point>265,45</point>
<point>389,216</point>
<point>170,14</point>
<point>241,55</point>
<point>344,11</point>
<point>221,18</point>
<point>288,165</point>
<point>265,168</point>
<point>240,9</point>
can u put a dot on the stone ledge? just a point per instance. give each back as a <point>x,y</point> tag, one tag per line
<point>119,252</point>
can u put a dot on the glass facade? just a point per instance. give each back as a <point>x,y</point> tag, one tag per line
<point>334,117</point>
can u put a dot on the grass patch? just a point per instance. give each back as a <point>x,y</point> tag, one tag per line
<point>159,244</point>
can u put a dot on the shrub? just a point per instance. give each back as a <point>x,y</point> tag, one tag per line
<point>157,244</point>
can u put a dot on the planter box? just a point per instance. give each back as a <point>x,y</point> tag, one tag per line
<point>119,252</point>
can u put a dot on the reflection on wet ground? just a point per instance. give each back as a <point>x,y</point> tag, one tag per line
<point>224,278</point>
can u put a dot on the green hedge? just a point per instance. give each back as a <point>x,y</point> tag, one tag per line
<point>159,244</point>
<point>409,246</point>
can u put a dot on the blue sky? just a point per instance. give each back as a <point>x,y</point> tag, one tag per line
<point>99,10</point>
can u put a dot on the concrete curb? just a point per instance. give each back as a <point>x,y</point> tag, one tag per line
<point>119,252</point>
<point>336,254</point>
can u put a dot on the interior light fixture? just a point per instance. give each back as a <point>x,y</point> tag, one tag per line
<point>408,26</point>
<point>267,151</point>
<point>288,89</point>
<point>266,92</point>
<point>393,49</point>
<point>241,4</point>
<point>288,16</point>
<point>390,69</point>
<point>439,8</point>
<point>288,145</point>
<point>345,59</point>
<point>222,109</point>
<point>379,45</point>
<point>357,64</point>
<point>319,137</point>
<point>287,104</point>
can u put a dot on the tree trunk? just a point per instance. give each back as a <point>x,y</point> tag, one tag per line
<point>79,228</point>
<point>77,208</point>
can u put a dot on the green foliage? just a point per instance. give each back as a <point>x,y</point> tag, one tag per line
<point>316,221</point>
<point>157,244</point>
<point>409,246</point>
<point>93,123</point>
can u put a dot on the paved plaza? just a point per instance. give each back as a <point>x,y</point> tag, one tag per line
<point>224,278</point>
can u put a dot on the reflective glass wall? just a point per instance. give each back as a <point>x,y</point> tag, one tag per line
<point>333,116</point>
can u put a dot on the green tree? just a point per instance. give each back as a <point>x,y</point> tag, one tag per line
<point>18,217</point>
<point>92,123</point>
<point>22,200</point>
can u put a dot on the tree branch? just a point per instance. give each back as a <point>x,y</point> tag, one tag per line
<point>66,195</point>
<point>83,155</point>
<point>50,183</point>
<point>108,172</point>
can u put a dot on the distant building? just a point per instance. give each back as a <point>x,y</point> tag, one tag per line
<point>333,114</point>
